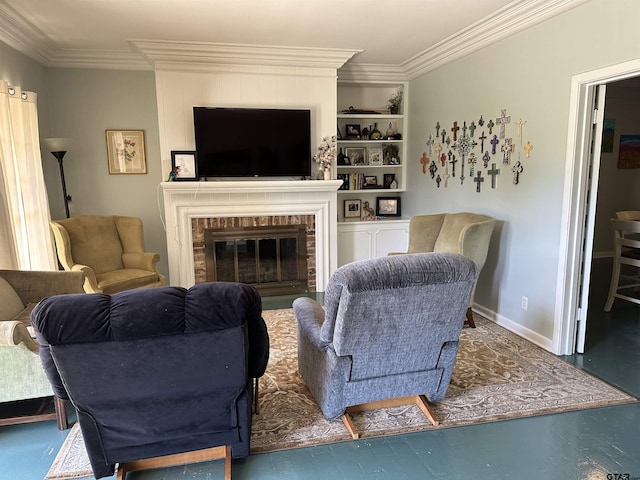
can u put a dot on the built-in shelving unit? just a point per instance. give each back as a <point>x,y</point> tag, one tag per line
<point>376,165</point>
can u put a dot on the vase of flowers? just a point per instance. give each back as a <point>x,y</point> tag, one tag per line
<point>325,157</point>
<point>395,101</point>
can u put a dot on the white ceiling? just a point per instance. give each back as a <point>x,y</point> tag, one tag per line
<point>388,33</point>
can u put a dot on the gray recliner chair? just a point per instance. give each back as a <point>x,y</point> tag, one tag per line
<point>388,334</point>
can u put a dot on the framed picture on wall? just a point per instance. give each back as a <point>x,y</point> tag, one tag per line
<point>184,166</point>
<point>125,151</point>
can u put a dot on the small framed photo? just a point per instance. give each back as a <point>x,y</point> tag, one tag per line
<point>388,179</point>
<point>357,155</point>
<point>375,156</point>
<point>353,131</point>
<point>125,151</point>
<point>183,165</point>
<point>388,206</point>
<point>352,208</point>
<point>371,181</point>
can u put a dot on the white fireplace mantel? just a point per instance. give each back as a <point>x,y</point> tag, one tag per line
<point>184,201</point>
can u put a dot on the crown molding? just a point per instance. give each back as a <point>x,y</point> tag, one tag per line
<point>105,59</point>
<point>20,34</point>
<point>513,18</point>
<point>165,55</point>
<point>371,73</point>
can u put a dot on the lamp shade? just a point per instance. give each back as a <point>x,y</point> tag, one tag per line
<point>56,144</point>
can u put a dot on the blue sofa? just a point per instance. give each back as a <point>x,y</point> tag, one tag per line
<point>156,372</point>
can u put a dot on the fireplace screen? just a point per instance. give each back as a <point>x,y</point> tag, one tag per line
<point>273,259</point>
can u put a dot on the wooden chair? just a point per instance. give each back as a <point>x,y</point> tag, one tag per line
<point>626,252</point>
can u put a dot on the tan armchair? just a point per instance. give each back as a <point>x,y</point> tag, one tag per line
<point>109,250</point>
<point>22,376</point>
<point>467,234</point>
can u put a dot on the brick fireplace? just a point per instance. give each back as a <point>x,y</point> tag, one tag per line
<point>312,202</point>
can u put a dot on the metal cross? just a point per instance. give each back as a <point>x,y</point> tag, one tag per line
<point>424,161</point>
<point>433,168</point>
<point>502,120</point>
<point>430,143</point>
<point>482,139</point>
<point>520,123</point>
<point>453,162</point>
<point>517,170</point>
<point>437,129</point>
<point>491,125</point>
<point>472,128</point>
<point>494,142</point>
<point>478,181</point>
<point>493,172</point>
<point>507,150</point>
<point>527,148</point>
<point>446,176</point>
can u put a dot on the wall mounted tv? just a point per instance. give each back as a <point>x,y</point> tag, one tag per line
<point>252,142</point>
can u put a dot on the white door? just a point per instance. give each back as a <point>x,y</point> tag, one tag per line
<point>598,95</point>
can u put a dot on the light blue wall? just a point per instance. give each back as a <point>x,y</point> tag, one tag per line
<point>529,74</point>
<point>84,103</point>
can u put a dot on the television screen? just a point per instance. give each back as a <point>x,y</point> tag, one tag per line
<point>251,142</point>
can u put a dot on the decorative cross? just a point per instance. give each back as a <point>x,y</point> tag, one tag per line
<point>443,159</point>
<point>482,139</point>
<point>472,164</point>
<point>494,143</point>
<point>502,120</point>
<point>485,159</point>
<point>520,124</point>
<point>464,128</point>
<point>424,161</point>
<point>507,150</point>
<point>438,148</point>
<point>478,181</point>
<point>462,173</point>
<point>437,129</point>
<point>472,128</point>
<point>517,170</point>
<point>443,134</point>
<point>493,172</point>
<point>527,148</point>
<point>453,162</point>
<point>455,129</point>
<point>481,121</point>
<point>448,141</point>
<point>446,176</point>
<point>433,168</point>
<point>430,143</point>
<point>491,125</point>
<point>438,180</point>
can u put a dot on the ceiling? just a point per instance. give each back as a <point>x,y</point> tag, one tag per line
<point>384,33</point>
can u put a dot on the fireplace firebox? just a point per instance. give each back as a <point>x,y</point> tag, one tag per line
<point>271,258</point>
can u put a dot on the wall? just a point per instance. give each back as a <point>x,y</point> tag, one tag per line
<point>179,92</point>
<point>617,188</point>
<point>528,74</point>
<point>84,103</point>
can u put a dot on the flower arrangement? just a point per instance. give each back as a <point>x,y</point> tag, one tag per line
<point>395,101</point>
<point>327,151</point>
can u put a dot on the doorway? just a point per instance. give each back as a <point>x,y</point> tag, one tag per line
<point>579,204</point>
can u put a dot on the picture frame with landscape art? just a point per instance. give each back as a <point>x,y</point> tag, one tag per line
<point>125,151</point>
<point>388,206</point>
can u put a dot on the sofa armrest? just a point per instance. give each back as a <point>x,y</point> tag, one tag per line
<point>310,316</point>
<point>90,280</point>
<point>141,261</point>
<point>13,333</point>
<point>32,286</point>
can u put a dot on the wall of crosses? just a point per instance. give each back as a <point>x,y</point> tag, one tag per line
<point>465,153</point>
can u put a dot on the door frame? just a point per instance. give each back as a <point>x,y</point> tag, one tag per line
<point>576,186</point>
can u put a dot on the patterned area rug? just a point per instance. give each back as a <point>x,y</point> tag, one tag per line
<point>498,375</point>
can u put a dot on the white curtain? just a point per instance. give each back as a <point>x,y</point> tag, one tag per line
<point>25,238</point>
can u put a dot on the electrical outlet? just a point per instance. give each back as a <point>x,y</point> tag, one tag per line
<point>525,303</point>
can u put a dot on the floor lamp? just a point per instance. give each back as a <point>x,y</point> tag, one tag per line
<point>58,147</point>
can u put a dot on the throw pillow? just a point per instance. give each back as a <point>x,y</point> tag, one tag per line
<point>10,303</point>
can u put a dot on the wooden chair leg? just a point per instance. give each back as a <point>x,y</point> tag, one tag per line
<point>469,320</point>
<point>61,413</point>
<point>223,451</point>
<point>256,403</point>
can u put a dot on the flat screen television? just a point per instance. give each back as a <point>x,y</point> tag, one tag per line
<point>252,142</point>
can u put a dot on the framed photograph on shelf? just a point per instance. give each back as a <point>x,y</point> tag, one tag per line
<point>352,208</point>
<point>353,131</point>
<point>357,155</point>
<point>371,181</point>
<point>388,206</point>
<point>375,156</point>
<point>125,151</point>
<point>388,179</point>
<point>184,165</point>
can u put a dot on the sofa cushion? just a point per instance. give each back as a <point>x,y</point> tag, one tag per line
<point>10,303</point>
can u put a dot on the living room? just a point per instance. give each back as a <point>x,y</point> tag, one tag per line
<point>528,72</point>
